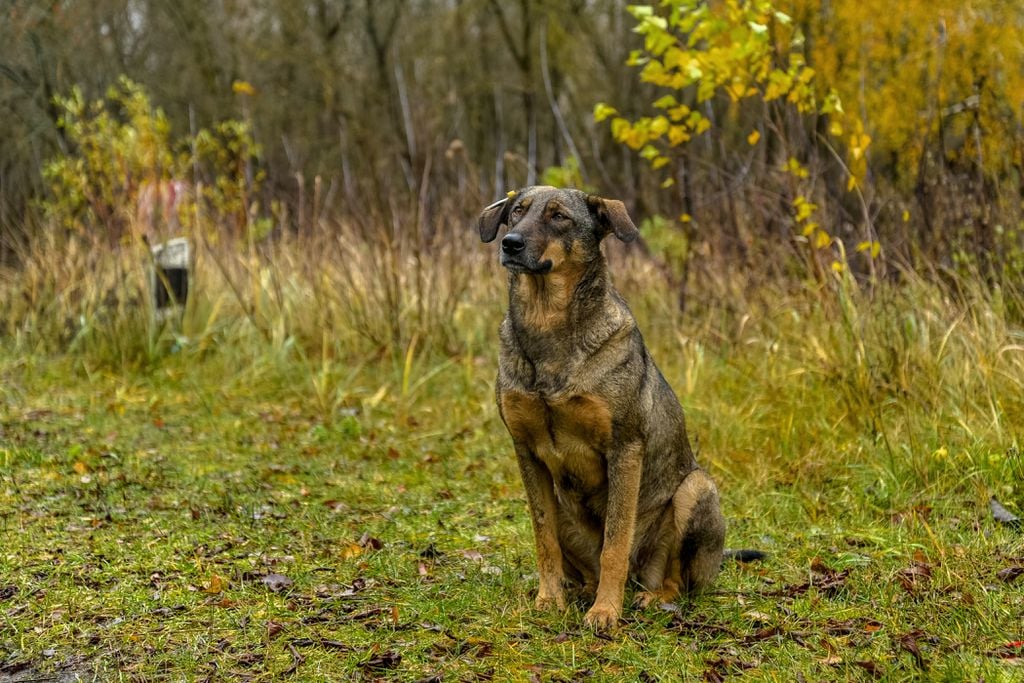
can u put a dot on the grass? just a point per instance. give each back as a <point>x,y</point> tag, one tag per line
<point>248,500</point>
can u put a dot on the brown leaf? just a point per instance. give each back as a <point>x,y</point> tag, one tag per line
<point>370,543</point>
<point>908,642</point>
<point>273,629</point>
<point>474,555</point>
<point>818,566</point>
<point>915,576</point>
<point>1010,574</point>
<point>386,660</point>
<point>718,669</point>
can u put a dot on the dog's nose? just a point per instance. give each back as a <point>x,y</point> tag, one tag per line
<point>513,243</point>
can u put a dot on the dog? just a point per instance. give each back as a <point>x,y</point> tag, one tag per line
<point>613,487</point>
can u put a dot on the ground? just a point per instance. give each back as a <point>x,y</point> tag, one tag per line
<point>197,520</point>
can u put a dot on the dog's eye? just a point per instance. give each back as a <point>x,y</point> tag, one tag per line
<point>517,211</point>
<point>558,216</point>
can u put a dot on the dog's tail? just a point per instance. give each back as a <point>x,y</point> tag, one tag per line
<point>744,555</point>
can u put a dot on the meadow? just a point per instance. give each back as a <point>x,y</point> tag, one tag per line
<point>304,477</point>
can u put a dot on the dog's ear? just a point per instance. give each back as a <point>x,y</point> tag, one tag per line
<point>611,216</point>
<point>493,217</point>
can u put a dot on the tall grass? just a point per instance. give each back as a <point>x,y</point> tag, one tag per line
<point>916,384</point>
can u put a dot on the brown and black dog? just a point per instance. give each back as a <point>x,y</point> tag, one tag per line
<point>613,487</point>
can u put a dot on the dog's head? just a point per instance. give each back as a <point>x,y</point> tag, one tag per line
<point>549,228</point>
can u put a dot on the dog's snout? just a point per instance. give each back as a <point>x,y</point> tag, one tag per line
<point>513,243</point>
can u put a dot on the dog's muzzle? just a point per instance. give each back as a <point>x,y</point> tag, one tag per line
<point>514,256</point>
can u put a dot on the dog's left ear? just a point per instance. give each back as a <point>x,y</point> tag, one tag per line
<point>611,216</point>
<point>493,217</point>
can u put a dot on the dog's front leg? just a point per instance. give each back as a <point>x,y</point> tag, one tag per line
<point>540,494</point>
<point>624,469</point>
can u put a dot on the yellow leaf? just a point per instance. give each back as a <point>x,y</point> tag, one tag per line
<point>837,266</point>
<point>906,216</point>
<point>216,585</point>
<point>351,550</point>
<point>677,135</point>
<point>686,218</point>
<point>822,240</point>
<point>851,183</point>
<point>243,88</point>
<point>603,111</point>
<point>659,162</point>
<point>80,467</point>
<point>668,182</point>
<point>754,137</point>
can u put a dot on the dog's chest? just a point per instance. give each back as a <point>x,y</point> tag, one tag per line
<point>569,434</point>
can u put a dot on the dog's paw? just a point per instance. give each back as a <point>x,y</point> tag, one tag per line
<point>645,599</point>
<point>550,603</point>
<point>602,617</point>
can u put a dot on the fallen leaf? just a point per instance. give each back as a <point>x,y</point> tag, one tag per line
<point>273,629</point>
<point>370,543</point>
<point>718,669</point>
<point>474,555</point>
<point>908,642</point>
<point>1010,574</point>
<point>1002,515</point>
<point>276,582</point>
<point>386,660</point>
<point>216,585</point>
<point>915,576</point>
<point>351,550</point>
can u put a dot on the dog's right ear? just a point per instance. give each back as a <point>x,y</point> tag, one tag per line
<point>493,217</point>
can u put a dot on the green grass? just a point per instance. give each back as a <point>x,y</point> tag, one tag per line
<point>857,439</point>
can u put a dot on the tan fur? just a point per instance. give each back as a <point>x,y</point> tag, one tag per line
<point>545,299</point>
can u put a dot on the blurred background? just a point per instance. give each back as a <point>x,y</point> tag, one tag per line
<point>782,142</point>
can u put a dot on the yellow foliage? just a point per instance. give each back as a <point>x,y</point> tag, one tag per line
<point>912,67</point>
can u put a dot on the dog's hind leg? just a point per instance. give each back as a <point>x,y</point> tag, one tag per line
<point>659,575</point>
<point>688,554</point>
<point>699,518</point>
